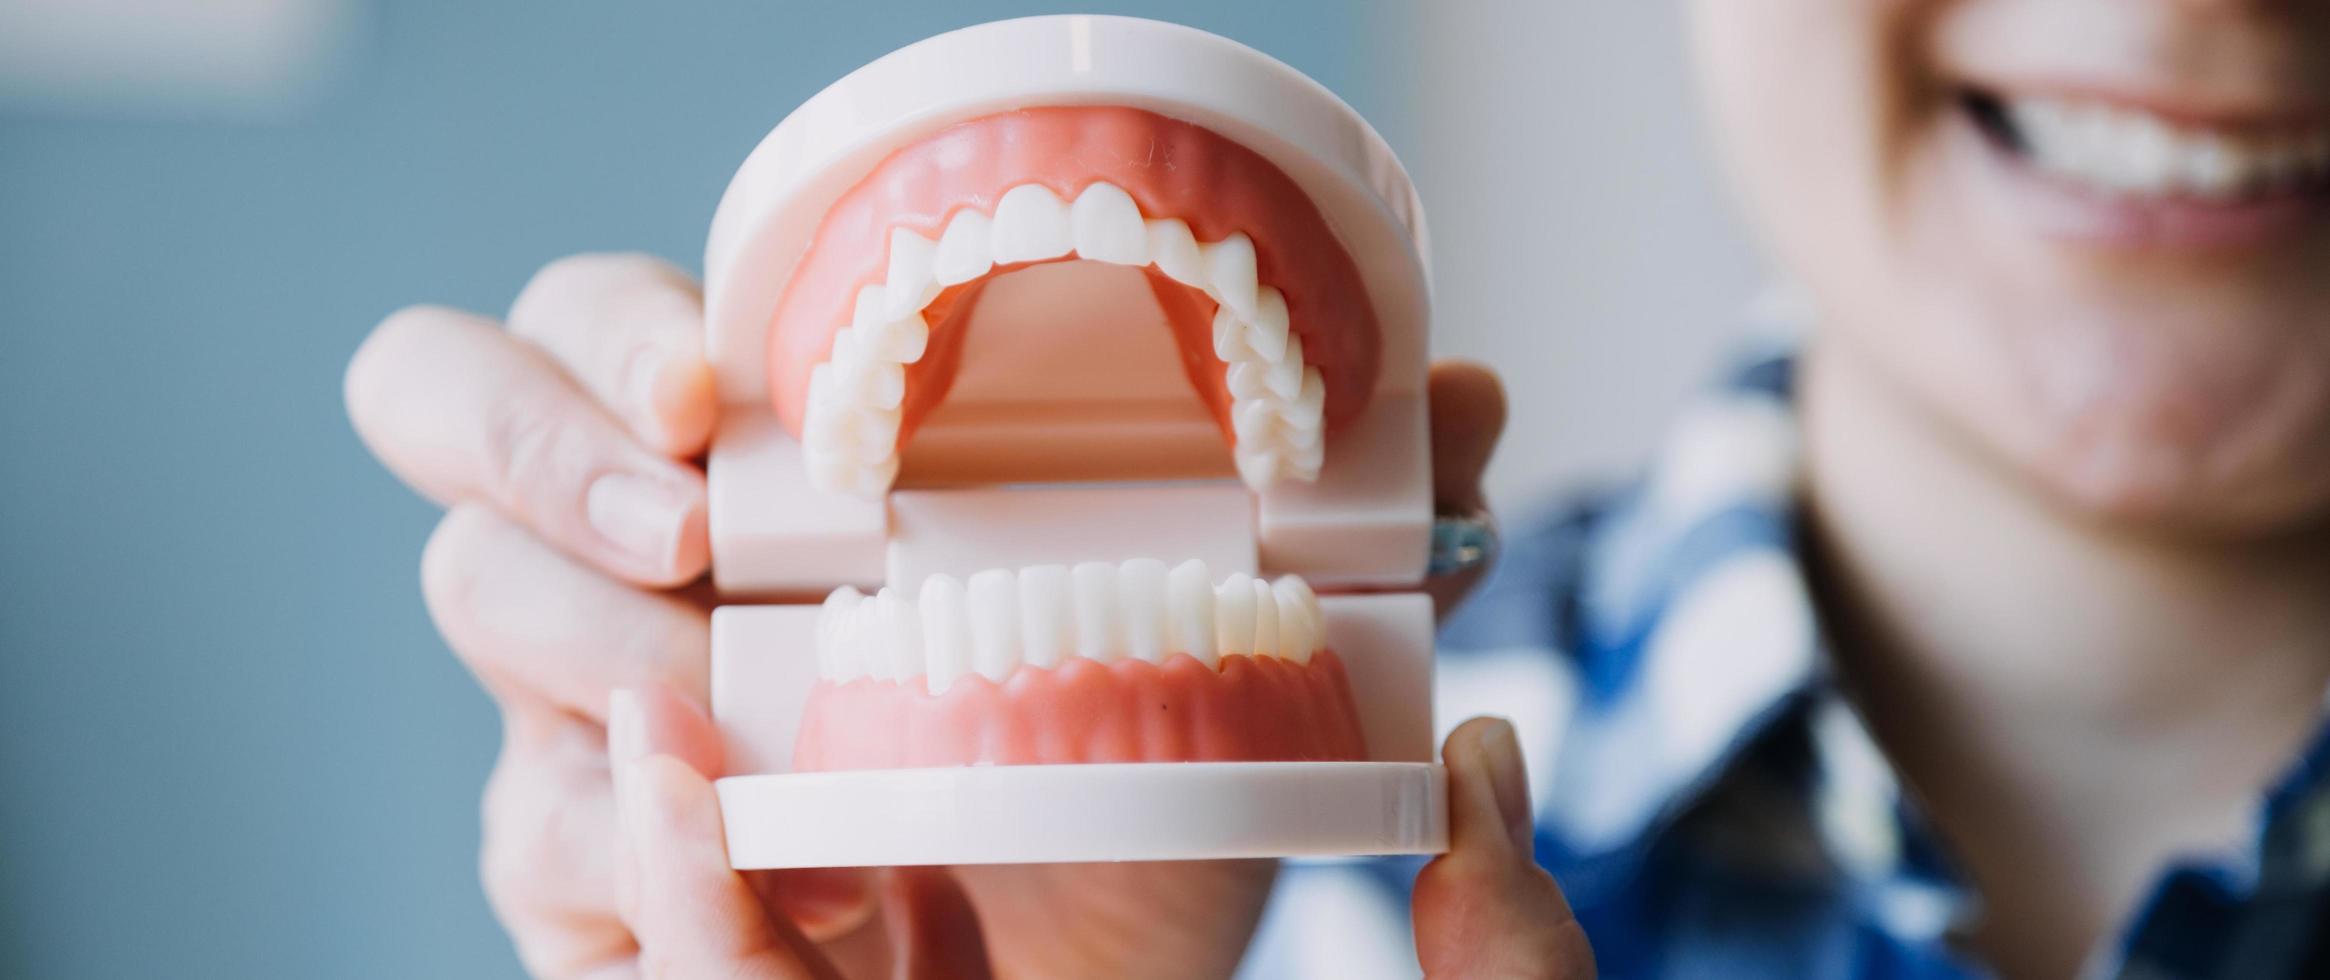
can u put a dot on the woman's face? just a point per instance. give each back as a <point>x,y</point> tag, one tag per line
<point>2091,237</point>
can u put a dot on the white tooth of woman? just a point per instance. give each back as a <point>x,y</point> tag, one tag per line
<point>2119,151</point>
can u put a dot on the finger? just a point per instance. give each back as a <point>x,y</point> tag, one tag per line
<point>645,721</point>
<point>821,902</point>
<point>630,330</point>
<point>1486,908</point>
<point>934,930</point>
<point>824,903</point>
<point>547,849</point>
<point>464,412</point>
<point>694,916</point>
<point>1468,414</point>
<point>538,627</point>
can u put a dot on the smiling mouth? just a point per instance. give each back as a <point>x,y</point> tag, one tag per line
<point>2120,152</point>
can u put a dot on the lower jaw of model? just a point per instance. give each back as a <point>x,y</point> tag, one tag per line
<point>1132,662</point>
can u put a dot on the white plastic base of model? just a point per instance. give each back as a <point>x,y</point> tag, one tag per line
<point>1045,814</point>
<point>764,664</point>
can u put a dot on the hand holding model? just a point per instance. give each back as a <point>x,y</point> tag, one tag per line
<point>563,572</point>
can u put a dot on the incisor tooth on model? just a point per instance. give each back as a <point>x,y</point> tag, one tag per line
<point>1234,615</point>
<point>1189,601</point>
<point>1047,624</point>
<point>1107,227</point>
<point>1030,225</point>
<point>1141,604</point>
<point>946,631</point>
<point>994,605</point>
<point>1093,587</point>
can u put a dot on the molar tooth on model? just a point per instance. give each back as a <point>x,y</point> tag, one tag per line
<point>1299,630</point>
<point>1268,329</point>
<point>837,654</point>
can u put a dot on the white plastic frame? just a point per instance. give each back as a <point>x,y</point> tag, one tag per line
<point>1363,525</point>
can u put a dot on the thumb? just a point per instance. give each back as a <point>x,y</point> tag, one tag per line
<point>1467,415</point>
<point>692,915</point>
<point>1486,908</point>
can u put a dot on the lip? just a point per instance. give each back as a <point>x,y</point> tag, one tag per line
<point>2072,214</point>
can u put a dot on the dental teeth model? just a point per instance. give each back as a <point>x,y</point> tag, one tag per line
<point>1064,358</point>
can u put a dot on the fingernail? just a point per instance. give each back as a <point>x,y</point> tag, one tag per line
<point>675,392</point>
<point>643,517</point>
<point>1509,779</point>
<point>626,745</point>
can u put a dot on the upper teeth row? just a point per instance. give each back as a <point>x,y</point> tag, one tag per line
<point>999,620</point>
<point>2131,152</point>
<point>850,423</point>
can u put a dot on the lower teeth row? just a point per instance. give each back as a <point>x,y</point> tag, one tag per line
<point>999,621</point>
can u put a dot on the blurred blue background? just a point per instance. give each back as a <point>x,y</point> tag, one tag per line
<point>230,743</point>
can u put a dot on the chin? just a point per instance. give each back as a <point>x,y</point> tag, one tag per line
<point>2220,439</point>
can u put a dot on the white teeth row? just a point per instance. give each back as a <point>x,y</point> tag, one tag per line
<point>2121,151</point>
<point>850,423</point>
<point>999,621</point>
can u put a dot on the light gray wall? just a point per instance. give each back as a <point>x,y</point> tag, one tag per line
<point>1582,244</point>
<point>230,744</point>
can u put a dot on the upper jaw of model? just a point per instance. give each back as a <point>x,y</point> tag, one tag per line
<point>1274,329</point>
<point>852,419</point>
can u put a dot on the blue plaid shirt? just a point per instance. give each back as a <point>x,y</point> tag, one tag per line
<point>1710,802</point>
